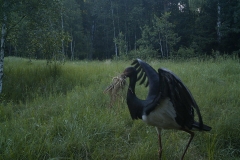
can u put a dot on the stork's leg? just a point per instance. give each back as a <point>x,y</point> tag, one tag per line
<point>192,135</point>
<point>160,146</point>
<point>160,142</point>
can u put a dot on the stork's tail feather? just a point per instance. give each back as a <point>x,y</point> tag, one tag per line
<point>204,127</point>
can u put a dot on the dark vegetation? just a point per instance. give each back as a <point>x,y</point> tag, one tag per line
<point>88,29</point>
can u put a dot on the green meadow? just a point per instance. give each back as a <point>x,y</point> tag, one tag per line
<point>59,112</point>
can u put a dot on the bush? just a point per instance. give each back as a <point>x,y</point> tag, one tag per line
<point>142,53</point>
<point>185,53</point>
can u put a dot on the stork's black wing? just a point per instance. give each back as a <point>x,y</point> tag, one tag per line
<point>171,86</point>
<point>147,73</point>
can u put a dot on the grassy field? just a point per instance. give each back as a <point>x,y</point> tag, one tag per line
<point>60,112</point>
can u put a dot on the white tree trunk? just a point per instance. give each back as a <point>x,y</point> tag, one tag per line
<point>72,49</point>
<point>4,30</point>
<point>3,37</point>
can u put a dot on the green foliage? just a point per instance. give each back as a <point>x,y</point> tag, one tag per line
<point>195,4</point>
<point>142,52</point>
<point>34,28</point>
<point>160,36</point>
<point>72,119</point>
<point>147,37</point>
<point>122,46</point>
<point>164,34</point>
<point>89,29</point>
<point>185,53</point>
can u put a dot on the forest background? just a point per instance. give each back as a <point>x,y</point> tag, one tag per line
<point>103,29</point>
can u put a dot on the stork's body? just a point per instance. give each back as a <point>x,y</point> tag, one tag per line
<point>163,116</point>
<point>169,104</point>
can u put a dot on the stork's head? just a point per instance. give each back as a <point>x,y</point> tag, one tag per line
<point>128,72</point>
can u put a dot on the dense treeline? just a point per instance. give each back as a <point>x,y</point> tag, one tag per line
<point>90,29</point>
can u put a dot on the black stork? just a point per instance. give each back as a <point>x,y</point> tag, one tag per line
<point>169,103</point>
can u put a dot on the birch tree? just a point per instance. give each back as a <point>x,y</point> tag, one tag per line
<point>164,34</point>
<point>3,38</point>
<point>35,13</point>
<point>121,43</point>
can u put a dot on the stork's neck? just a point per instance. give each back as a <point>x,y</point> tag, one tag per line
<point>132,84</point>
<point>135,105</point>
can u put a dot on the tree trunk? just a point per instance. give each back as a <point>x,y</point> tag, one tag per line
<point>114,31</point>
<point>165,6</point>
<point>4,31</point>
<point>72,49</point>
<point>16,51</point>
<point>218,23</point>
<point>126,27</point>
<point>92,40</point>
<point>166,47</point>
<point>135,42</point>
<point>160,44</point>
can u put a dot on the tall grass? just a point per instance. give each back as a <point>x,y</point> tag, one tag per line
<point>60,112</point>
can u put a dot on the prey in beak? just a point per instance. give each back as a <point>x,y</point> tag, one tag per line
<point>118,84</point>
